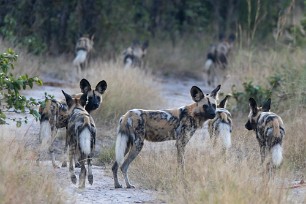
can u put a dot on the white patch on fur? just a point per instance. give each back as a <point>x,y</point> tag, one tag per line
<point>121,145</point>
<point>85,140</point>
<point>225,134</point>
<point>80,57</point>
<point>136,111</point>
<point>277,154</point>
<point>128,63</point>
<point>45,134</point>
<point>208,64</point>
<point>169,115</point>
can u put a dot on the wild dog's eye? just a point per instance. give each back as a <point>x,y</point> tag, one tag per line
<point>98,98</point>
<point>214,106</point>
<point>205,106</point>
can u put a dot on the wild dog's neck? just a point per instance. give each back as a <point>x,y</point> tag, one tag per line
<point>194,114</point>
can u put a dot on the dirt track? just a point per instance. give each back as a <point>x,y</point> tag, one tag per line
<point>102,191</point>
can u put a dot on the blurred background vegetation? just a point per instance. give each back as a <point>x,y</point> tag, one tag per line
<point>52,26</point>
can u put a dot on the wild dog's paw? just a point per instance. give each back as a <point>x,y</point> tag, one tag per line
<point>130,186</point>
<point>118,186</point>
<point>90,179</point>
<point>73,179</point>
<point>77,165</point>
<point>64,164</point>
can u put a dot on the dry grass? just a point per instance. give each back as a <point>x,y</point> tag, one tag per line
<point>127,89</point>
<point>21,180</point>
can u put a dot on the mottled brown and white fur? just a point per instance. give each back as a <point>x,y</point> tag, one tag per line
<point>220,128</point>
<point>177,124</point>
<point>269,129</point>
<point>81,137</point>
<point>217,60</point>
<point>134,55</point>
<point>83,50</point>
<point>54,115</point>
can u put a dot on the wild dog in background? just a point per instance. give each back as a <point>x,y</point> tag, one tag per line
<point>54,115</point>
<point>221,126</point>
<point>134,55</point>
<point>81,137</point>
<point>161,125</point>
<point>269,129</point>
<point>83,50</point>
<point>217,60</point>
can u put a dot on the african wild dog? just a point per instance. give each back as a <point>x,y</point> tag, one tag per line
<point>221,126</point>
<point>269,130</point>
<point>83,50</point>
<point>134,55</point>
<point>54,115</point>
<point>161,125</point>
<point>217,60</point>
<point>81,137</point>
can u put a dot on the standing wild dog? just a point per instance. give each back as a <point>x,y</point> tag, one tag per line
<point>269,130</point>
<point>221,126</point>
<point>161,125</point>
<point>83,50</point>
<point>217,60</point>
<point>134,55</point>
<point>81,137</point>
<point>54,115</point>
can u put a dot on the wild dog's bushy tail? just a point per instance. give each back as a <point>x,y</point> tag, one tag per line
<point>225,134</point>
<point>121,144</point>
<point>277,150</point>
<point>208,64</point>
<point>85,140</point>
<point>44,133</point>
<point>45,127</point>
<point>80,57</point>
<point>277,154</point>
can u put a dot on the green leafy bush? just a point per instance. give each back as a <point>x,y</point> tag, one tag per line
<point>259,93</point>
<point>10,86</point>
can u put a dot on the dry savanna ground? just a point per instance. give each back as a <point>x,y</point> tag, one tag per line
<point>209,178</point>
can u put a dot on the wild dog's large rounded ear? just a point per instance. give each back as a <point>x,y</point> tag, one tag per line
<point>253,105</point>
<point>196,93</point>
<point>68,98</point>
<point>101,87</point>
<point>83,99</point>
<point>223,103</point>
<point>85,86</point>
<point>266,105</point>
<point>215,92</point>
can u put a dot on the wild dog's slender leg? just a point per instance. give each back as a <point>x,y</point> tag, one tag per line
<point>52,148</point>
<point>134,151</point>
<point>115,174</point>
<point>64,163</point>
<point>90,175</point>
<point>72,151</point>
<point>82,175</point>
<point>262,153</point>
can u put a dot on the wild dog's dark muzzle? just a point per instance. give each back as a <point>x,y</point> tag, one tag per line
<point>209,111</point>
<point>248,126</point>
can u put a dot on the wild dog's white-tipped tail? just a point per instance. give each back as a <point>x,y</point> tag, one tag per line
<point>128,63</point>
<point>277,155</point>
<point>85,141</point>
<point>44,133</point>
<point>80,57</point>
<point>207,65</point>
<point>121,145</point>
<point>225,134</point>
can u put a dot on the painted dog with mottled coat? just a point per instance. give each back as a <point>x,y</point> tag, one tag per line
<point>134,55</point>
<point>221,126</point>
<point>177,124</point>
<point>81,137</point>
<point>269,129</point>
<point>54,115</point>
